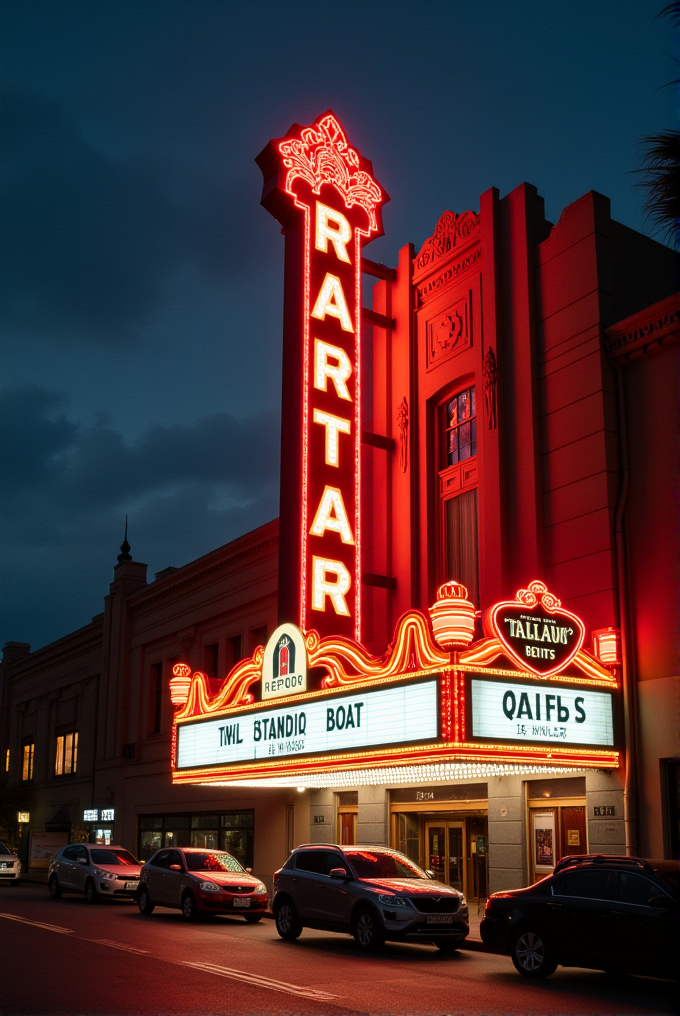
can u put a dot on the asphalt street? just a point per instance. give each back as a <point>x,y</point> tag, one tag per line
<point>59,957</point>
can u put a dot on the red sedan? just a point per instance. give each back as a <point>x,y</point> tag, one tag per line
<point>200,882</point>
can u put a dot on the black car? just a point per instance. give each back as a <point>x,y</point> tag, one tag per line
<point>373,893</point>
<point>603,911</point>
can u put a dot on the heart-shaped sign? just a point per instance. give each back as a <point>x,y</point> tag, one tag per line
<point>536,632</point>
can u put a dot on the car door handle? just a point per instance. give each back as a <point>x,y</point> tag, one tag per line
<point>619,913</point>
<point>555,906</point>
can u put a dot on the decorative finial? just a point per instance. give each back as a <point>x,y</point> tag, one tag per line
<point>125,554</point>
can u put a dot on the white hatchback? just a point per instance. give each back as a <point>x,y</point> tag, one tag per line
<point>10,866</point>
<point>97,871</point>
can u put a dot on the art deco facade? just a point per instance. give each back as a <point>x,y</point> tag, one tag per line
<point>519,423</point>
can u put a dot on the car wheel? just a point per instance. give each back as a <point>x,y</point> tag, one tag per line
<point>144,903</point>
<point>189,908</point>
<point>287,922</point>
<point>253,918</point>
<point>369,933</point>
<point>447,945</point>
<point>532,955</point>
<point>91,894</point>
<point>54,888</point>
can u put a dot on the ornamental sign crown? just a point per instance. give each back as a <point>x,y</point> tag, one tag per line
<point>323,155</point>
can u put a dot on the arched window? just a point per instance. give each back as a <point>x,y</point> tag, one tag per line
<point>459,545</point>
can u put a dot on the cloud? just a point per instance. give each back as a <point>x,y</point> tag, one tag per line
<point>91,238</point>
<point>67,488</point>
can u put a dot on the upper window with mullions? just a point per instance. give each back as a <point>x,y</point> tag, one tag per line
<point>459,428</point>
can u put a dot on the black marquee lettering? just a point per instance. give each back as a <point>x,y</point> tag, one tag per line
<point>509,704</point>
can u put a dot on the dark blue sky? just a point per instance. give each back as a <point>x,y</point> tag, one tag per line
<point>141,283</point>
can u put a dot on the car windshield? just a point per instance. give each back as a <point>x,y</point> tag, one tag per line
<point>113,855</point>
<point>212,862</point>
<point>4,849</point>
<point>383,864</point>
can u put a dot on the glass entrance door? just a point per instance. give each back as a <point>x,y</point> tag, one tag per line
<point>445,853</point>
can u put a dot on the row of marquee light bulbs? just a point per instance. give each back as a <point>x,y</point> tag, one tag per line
<point>453,626</point>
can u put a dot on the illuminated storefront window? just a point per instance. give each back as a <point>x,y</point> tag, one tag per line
<point>232,831</point>
<point>66,759</point>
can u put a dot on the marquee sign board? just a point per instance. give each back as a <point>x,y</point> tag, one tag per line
<point>396,715</point>
<point>324,194</point>
<point>509,711</point>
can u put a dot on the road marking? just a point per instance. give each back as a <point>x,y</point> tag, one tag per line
<point>120,945</point>
<point>39,924</point>
<point>262,982</point>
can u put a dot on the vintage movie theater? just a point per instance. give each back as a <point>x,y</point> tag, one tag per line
<point>460,637</point>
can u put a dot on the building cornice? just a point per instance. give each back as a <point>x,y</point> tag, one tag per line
<point>203,568</point>
<point>648,332</point>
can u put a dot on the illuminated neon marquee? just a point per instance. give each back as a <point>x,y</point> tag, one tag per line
<point>488,707</point>
<point>324,194</point>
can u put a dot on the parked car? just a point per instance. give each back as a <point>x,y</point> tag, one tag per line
<point>603,911</point>
<point>10,866</point>
<point>201,882</point>
<point>373,893</point>
<point>99,872</point>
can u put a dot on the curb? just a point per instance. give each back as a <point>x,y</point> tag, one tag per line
<point>472,944</point>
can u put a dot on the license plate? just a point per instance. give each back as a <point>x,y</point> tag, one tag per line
<point>132,885</point>
<point>439,919</point>
<point>242,903</point>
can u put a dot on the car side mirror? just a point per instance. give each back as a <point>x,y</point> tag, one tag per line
<point>659,903</point>
<point>429,873</point>
<point>340,873</point>
<point>175,867</point>
<point>249,870</point>
<point>83,860</point>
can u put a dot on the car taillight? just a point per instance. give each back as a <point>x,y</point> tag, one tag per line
<point>276,878</point>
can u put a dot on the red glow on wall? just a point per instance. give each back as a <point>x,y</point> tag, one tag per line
<point>325,195</point>
<point>607,646</point>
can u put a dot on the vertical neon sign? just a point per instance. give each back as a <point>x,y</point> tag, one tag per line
<point>324,195</point>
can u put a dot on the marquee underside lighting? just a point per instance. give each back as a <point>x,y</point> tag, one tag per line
<point>424,774</point>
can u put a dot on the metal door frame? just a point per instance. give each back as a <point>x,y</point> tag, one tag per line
<point>447,824</point>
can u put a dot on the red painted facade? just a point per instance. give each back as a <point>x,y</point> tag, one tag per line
<point>519,425</point>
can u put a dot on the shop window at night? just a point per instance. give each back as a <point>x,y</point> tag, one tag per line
<point>28,751</point>
<point>66,756</point>
<point>231,831</point>
<point>458,491</point>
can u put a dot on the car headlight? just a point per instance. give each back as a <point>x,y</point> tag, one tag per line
<point>463,901</point>
<point>104,874</point>
<point>261,889</point>
<point>210,887</point>
<point>393,901</point>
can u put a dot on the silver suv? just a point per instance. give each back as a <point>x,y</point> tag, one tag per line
<point>373,893</point>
